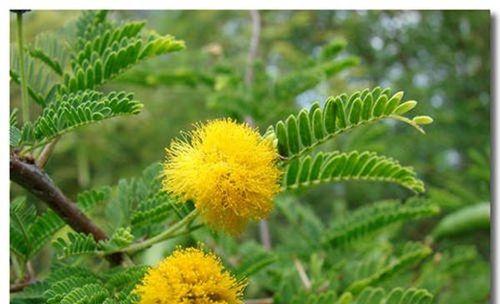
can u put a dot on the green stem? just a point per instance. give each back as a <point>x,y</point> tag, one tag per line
<point>24,85</point>
<point>171,232</point>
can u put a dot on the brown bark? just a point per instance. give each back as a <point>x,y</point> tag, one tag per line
<point>35,180</point>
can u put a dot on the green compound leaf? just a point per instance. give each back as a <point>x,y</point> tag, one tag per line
<point>397,295</point>
<point>411,255</point>
<point>368,220</point>
<point>339,167</point>
<point>300,133</point>
<point>76,110</point>
<point>75,244</point>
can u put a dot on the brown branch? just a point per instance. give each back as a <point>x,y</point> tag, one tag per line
<point>36,181</point>
<point>17,287</point>
<point>265,235</point>
<point>254,46</point>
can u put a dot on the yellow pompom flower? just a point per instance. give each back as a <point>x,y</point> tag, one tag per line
<point>189,276</point>
<point>228,170</point>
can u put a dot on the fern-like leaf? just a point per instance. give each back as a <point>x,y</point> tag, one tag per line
<point>15,133</point>
<point>33,93</point>
<point>412,253</point>
<point>21,214</point>
<point>338,167</point>
<point>86,200</point>
<point>42,229</point>
<point>253,264</point>
<point>89,25</point>
<point>398,295</point>
<point>76,244</point>
<point>40,54</point>
<point>63,280</point>
<point>75,110</point>
<point>328,297</point>
<point>152,210</point>
<point>112,52</point>
<point>124,279</point>
<point>370,219</point>
<point>14,136</point>
<point>68,284</point>
<point>300,133</point>
<point>61,288</point>
<point>86,294</point>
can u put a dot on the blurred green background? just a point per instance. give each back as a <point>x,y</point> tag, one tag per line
<point>439,58</point>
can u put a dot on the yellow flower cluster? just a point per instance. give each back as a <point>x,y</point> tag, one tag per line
<point>228,170</point>
<point>189,276</point>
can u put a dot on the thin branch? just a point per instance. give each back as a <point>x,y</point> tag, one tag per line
<point>254,46</point>
<point>36,181</point>
<point>46,152</point>
<point>302,273</point>
<point>265,235</point>
<point>171,232</point>
<point>17,287</point>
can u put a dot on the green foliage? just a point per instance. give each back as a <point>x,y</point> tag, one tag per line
<point>113,51</point>
<point>141,206</point>
<point>343,243</point>
<point>310,128</point>
<point>39,77</point>
<point>397,295</point>
<point>31,231</point>
<point>75,110</point>
<point>103,50</point>
<point>122,237</point>
<point>323,298</point>
<point>76,244</point>
<point>308,78</point>
<point>42,229</point>
<point>301,215</point>
<point>255,262</point>
<point>367,220</point>
<point>67,284</point>
<point>14,132</point>
<point>152,210</point>
<point>467,219</point>
<point>20,214</point>
<point>457,273</point>
<point>40,54</point>
<point>90,198</point>
<point>37,97</point>
<point>337,167</point>
<point>412,253</point>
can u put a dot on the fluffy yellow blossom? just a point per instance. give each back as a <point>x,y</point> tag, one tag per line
<point>189,276</point>
<point>228,170</point>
